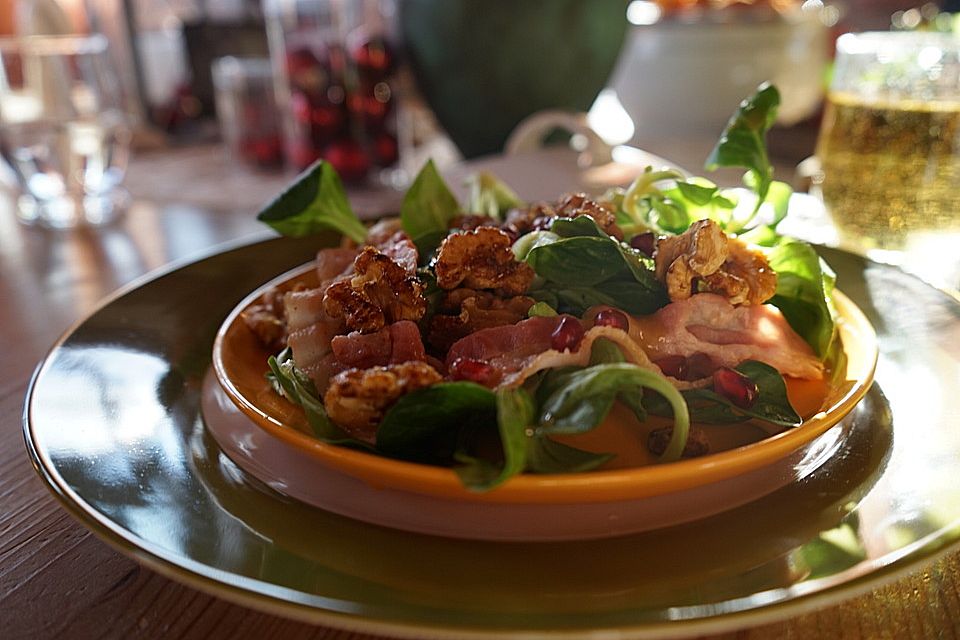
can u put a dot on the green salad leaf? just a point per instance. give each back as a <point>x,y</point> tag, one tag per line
<point>545,455</point>
<point>515,413</point>
<point>584,397</point>
<point>804,287</point>
<point>433,424</point>
<point>298,388</point>
<point>772,404</point>
<point>488,195</point>
<point>581,266</point>
<point>743,141</point>
<point>427,209</point>
<point>316,201</point>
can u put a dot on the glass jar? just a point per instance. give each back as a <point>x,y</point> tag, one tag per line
<point>335,67</point>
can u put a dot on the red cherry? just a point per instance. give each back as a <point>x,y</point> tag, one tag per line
<point>567,335</point>
<point>303,154</point>
<point>268,151</point>
<point>327,122</point>
<point>611,317</point>
<point>373,56</point>
<point>300,107</point>
<point>735,387</point>
<point>348,159</point>
<point>385,150</point>
<point>306,72</point>
<point>475,371</point>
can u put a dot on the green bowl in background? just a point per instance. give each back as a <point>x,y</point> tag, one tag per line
<point>484,65</point>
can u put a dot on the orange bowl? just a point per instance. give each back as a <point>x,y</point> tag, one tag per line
<point>240,364</point>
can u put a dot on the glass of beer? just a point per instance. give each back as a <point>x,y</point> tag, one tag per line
<point>889,145</point>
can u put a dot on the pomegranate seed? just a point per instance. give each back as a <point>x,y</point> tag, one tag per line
<point>645,243</point>
<point>612,318</point>
<point>475,371</point>
<point>700,365</point>
<point>735,387</point>
<point>567,335</point>
<point>673,366</point>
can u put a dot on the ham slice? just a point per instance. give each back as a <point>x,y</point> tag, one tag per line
<point>394,344</point>
<point>520,350</point>
<point>334,262</point>
<point>309,332</point>
<point>707,323</point>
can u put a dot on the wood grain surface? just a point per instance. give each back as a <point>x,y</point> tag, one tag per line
<point>59,581</point>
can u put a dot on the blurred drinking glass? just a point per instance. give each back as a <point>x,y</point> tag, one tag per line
<point>63,129</point>
<point>889,148</point>
<point>247,111</point>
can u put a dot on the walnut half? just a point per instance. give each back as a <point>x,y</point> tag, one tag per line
<point>481,259</point>
<point>379,293</point>
<point>704,258</point>
<point>357,399</point>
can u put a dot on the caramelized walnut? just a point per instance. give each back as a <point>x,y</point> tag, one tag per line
<point>744,278</point>
<point>527,219</point>
<point>379,293</point>
<point>357,399</point>
<point>481,259</point>
<point>704,258</point>
<point>266,319</point>
<point>471,221</point>
<point>463,311</point>
<point>578,204</point>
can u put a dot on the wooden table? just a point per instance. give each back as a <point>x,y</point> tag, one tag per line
<point>58,580</point>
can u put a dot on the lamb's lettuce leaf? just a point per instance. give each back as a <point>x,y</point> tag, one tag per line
<point>743,142</point>
<point>580,266</point>
<point>316,201</point>
<point>804,287</point>
<point>431,425</point>
<point>583,398</point>
<point>488,195</point>
<point>427,209</point>
<point>299,389</point>
<point>706,406</point>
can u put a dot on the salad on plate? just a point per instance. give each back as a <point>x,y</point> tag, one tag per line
<point>487,335</point>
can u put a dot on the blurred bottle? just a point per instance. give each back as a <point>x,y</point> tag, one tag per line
<point>335,67</point>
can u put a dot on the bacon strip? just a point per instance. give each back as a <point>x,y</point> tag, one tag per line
<point>708,323</point>
<point>397,343</point>
<point>520,350</point>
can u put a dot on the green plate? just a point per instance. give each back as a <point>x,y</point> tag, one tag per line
<point>113,425</point>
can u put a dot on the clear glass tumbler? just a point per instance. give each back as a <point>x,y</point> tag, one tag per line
<point>889,146</point>
<point>64,131</point>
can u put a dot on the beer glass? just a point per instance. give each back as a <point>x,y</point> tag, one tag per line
<point>889,145</point>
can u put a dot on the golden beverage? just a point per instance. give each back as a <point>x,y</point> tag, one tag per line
<point>890,169</point>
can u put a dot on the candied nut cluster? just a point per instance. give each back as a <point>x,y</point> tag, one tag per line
<point>521,221</point>
<point>464,311</point>
<point>266,319</point>
<point>357,399</point>
<point>578,204</point>
<point>380,292</point>
<point>481,259</point>
<point>704,258</point>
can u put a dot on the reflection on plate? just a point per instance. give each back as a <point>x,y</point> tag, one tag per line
<point>431,499</point>
<point>112,422</point>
